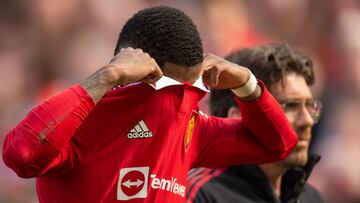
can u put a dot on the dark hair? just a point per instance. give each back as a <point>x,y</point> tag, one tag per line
<point>165,33</point>
<point>268,63</point>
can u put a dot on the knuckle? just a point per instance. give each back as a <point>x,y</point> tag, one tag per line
<point>126,50</point>
<point>210,55</point>
<point>146,55</point>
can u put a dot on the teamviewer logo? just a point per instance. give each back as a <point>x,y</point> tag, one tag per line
<point>133,183</point>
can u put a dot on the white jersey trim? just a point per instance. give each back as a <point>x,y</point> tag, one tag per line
<point>167,81</point>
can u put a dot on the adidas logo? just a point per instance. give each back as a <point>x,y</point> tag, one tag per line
<point>140,130</point>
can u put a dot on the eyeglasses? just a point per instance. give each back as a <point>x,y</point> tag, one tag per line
<point>293,108</point>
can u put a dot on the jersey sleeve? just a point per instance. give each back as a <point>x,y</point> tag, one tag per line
<point>41,141</point>
<point>262,134</point>
<point>197,179</point>
<point>198,197</point>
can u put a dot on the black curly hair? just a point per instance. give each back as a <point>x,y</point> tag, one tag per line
<point>270,64</point>
<point>166,34</point>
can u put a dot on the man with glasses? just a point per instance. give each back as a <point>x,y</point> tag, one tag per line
<point>288,75</point>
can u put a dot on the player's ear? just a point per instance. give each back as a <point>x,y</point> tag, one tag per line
<point>234,112</point>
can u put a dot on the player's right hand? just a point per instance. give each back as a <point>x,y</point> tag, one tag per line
<point>132,65</point>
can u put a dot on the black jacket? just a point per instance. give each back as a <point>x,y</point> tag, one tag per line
<point>249,184</point>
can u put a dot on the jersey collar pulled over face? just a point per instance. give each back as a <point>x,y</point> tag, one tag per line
<point>167,81</point>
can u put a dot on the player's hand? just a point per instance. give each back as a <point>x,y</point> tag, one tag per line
<point>132,65</point>
<point>219,73</point>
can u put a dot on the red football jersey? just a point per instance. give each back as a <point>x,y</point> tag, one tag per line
<point>138,143</point>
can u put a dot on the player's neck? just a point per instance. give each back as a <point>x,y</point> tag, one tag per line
<point>182,73</point>
<point>274,173</point>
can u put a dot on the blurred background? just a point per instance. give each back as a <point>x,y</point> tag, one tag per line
<point>49,45</point>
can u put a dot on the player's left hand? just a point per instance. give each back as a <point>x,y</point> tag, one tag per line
<point>219,73</point>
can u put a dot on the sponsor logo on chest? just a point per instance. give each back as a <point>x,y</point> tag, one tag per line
<point>134,182</point>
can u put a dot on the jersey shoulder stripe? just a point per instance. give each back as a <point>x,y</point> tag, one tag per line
<point>199,177</point>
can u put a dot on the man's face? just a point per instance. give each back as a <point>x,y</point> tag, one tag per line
<point>293,96</point>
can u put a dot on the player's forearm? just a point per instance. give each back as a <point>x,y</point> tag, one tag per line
<point>38,143</point>
<point>100,82</point>
<point>130,65</point>
<point>266,120</point>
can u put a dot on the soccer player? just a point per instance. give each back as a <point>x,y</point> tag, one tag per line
<point>137,141</point>
<point>288,75</point>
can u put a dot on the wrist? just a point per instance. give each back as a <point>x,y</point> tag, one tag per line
<point>248,88</point>
<point>101,82</point>
<point>111,76</point>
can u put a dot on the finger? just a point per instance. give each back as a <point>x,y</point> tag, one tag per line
<point>157,70</point>
<point>209,59</point>
<point>211,77</point>
<point>156,74</point>
<point>206,78</point>
<point>150,79</point>
<point>208,55</point>
<point>156,78</point>
<point>206,67</point>
<point>214,77</point>
<point>139,51</point>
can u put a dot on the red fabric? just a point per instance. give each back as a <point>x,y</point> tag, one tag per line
<point>88,157</point>
<point>251,139</point>
<point>40,142</point>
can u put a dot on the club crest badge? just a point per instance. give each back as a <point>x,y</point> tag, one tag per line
<point>190,128</point>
